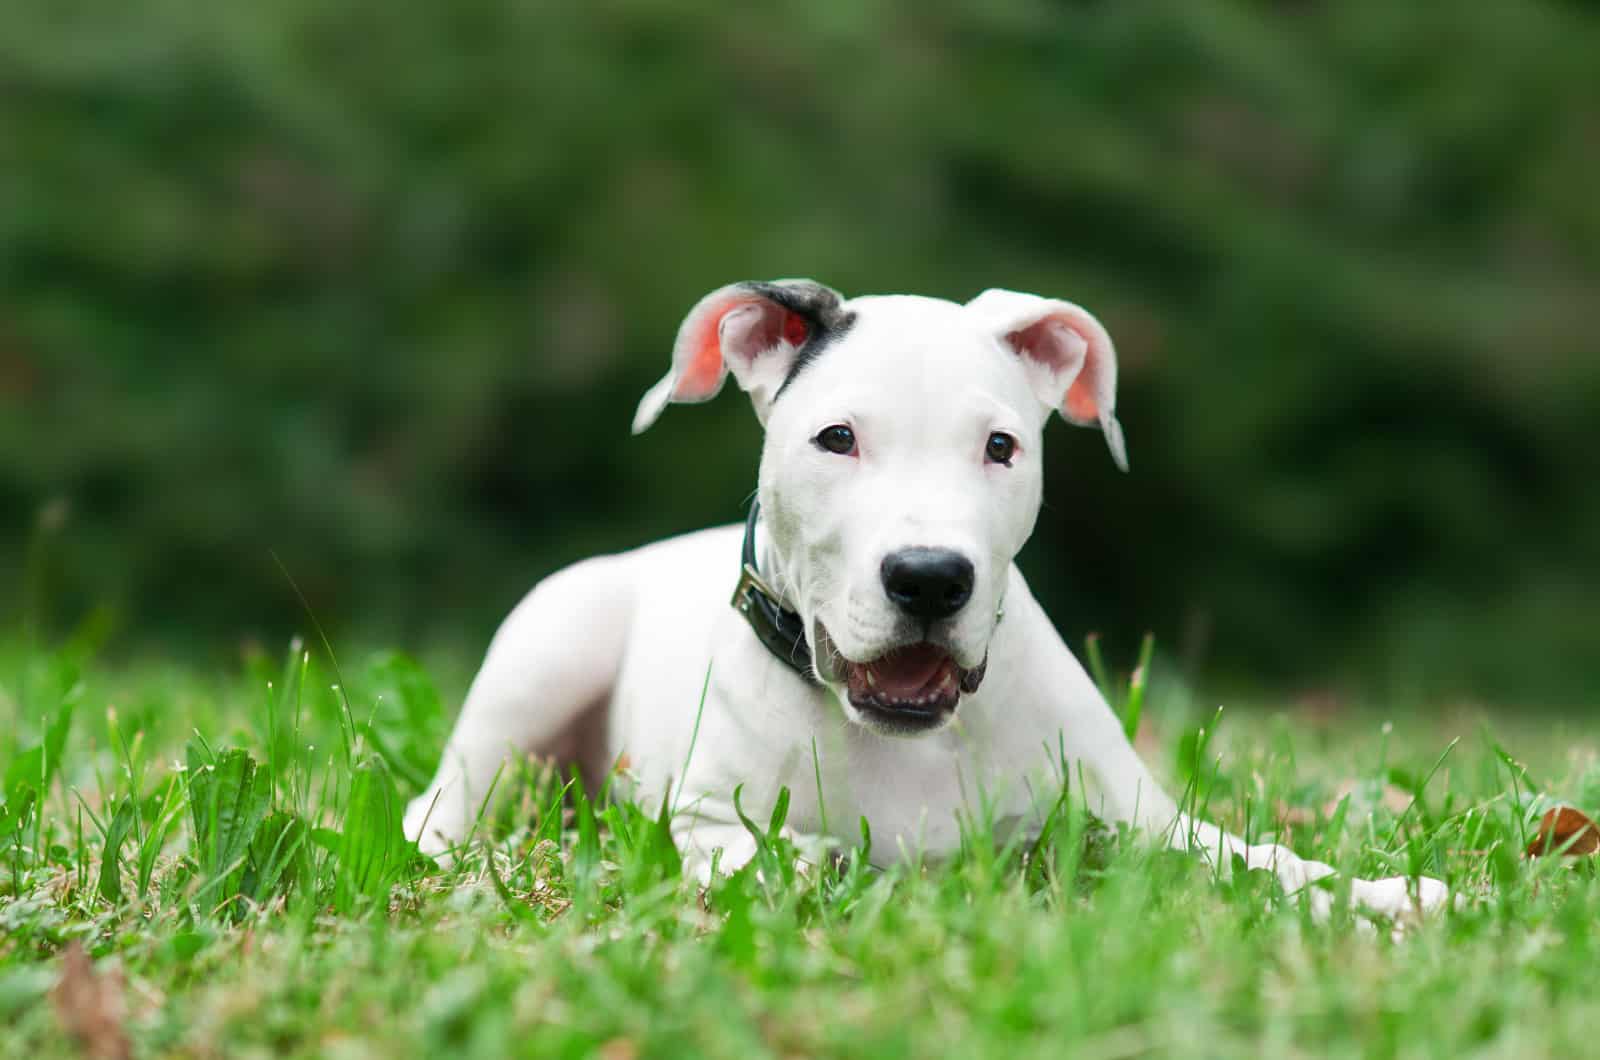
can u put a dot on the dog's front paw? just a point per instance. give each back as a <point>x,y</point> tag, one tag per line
<point>1399,898</point>
<point>708,849</point>
<point>425,824</point>
<point>1397,902</point>
<point>732,847</point>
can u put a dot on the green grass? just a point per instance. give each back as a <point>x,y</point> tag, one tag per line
<point>229,844</point>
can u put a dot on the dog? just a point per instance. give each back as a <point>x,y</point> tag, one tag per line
<point>883,657</point>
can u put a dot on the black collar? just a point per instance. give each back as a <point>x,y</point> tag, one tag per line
<point>781,631</point>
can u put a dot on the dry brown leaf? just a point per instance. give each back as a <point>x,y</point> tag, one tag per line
<point>1319,708</point>
<point>1393,799</point>
<point>1565,830</point>
<point>1149,741</point>
<point>618,1049</point>
<point>90,1006</point>
<point>1294,816</point>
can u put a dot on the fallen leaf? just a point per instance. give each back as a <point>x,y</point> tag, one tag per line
<point>618,1049</point>
<point>1149,741</point>
<point>90,1006</point>
<point>1565,830</point>
<point>1319,707</point>
<point>1294,816</point>
<point>1391,798</point>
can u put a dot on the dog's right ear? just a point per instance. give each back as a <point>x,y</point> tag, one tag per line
<point>1067,355</point>
<point>754,330</point>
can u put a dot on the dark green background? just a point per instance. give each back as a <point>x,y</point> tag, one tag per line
<point>376,286</point>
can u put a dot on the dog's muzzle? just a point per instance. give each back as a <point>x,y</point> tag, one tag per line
<point>910,689</point>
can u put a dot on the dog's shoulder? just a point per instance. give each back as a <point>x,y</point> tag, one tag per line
<point>686,573</point>
<point>697,546</point>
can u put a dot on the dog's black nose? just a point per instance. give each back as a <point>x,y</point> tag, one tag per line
<point>927,583</point>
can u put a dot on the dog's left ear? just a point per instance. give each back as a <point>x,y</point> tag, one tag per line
<point>1067,355</point>
<point>754,330</point>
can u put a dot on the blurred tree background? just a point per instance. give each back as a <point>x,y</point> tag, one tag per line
<point>376,288</point>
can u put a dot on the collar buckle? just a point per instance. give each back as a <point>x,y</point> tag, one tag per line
<point>750,583</point>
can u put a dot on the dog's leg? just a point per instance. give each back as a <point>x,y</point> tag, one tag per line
<point>1133,795</point>
<point>554,656</point>
<point>1128,792</point>
<point>701,835</point>
<point>1395,898</point>
<point>700,843</point>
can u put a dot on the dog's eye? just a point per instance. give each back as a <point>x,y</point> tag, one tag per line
<point>837,439</point>
<point>1001,448</point>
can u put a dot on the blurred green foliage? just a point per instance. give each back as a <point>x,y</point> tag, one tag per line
<point>376,287</point>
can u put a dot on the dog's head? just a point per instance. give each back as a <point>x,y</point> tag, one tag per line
<point>901,469</point>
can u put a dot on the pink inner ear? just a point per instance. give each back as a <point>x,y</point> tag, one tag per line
<point>1065,346</point>
<point>795,329</point>
<point>1062,350</point>
<point>1050,342</point>
<point>702,375</point>
<point>1082,404</point>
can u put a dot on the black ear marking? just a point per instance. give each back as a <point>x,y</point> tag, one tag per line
<point>805,297</point>
<point>820,306</point>
<point>752,331</point>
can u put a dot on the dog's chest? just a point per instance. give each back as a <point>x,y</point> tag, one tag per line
<point>920,794</point>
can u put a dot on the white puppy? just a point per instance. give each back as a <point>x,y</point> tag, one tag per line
<point>884,657</point>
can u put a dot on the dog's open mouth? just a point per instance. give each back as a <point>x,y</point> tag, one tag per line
<point>916,686</point>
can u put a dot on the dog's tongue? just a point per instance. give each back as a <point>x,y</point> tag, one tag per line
<point>901,674</point>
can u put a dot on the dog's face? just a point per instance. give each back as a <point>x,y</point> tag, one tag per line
<point>901,471</point>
